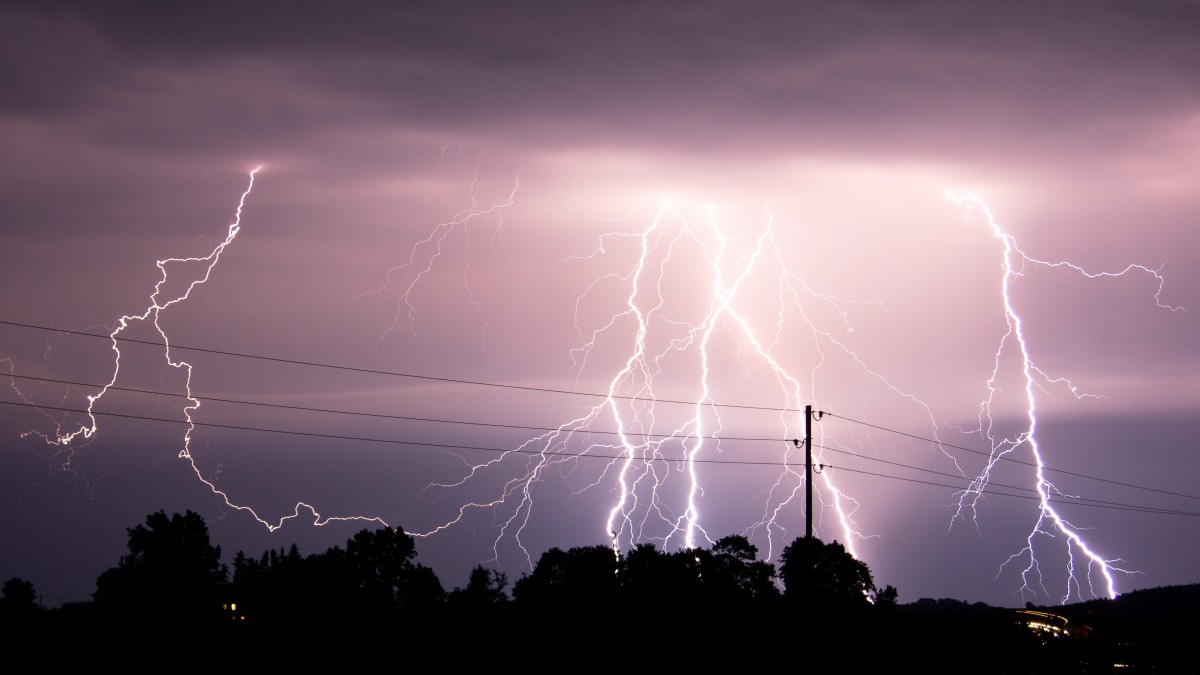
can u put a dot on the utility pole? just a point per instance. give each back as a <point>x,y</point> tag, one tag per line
<point>808,468</point>
<point>808,471</point>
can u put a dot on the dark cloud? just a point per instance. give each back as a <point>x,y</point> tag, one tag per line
<point>774,77</point>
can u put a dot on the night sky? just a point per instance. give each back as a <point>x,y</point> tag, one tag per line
<point>718,211</point>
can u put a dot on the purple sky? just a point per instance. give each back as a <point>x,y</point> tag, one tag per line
<point>464,192</point>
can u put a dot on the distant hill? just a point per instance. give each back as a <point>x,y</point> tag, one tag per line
<point>1152,629</point>
<point>1155,605</point>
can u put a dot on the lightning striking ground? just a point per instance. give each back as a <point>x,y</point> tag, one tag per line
<point>1086,568</point>
<point>693,317</point>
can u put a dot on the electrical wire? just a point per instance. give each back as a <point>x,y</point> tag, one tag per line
<point>573,455</point>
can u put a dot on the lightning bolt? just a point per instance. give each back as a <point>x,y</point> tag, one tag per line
<point>159,302</point>
<point>402,280</point>
<point>672,333</point>
<point>1085,567</point>
<point>689,312</point>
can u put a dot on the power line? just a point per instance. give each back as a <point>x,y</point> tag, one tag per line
<point>916,468</point>
<point>1011,459</point>
<point>389,373</point>
<point>1096,503</point>
<point>409,418</point>
<point>559,391</point>
<point>564,430</point>
<point>990,483</point>
<point>367,439</point>
<point>594,455</point>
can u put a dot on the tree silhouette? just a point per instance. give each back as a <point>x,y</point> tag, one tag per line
<point>824,575</point>
<point>732,572</point>
<point>650,577</point>
<point>384,574</point>
<point>374,577</point>
<point>888,598</point>
<point>273,588</point>
<point>172,572</point>
<point>19,603</point>
<point>484,590</point>
<point>580,578</point>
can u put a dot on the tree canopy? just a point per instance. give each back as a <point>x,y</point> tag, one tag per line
<point>824,575</point>
<point>19,599</point>
<point>171,571</point>
<point>580,576</point>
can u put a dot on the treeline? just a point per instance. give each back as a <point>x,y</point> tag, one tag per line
<point>644,603</point>
<point>173,573</point>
